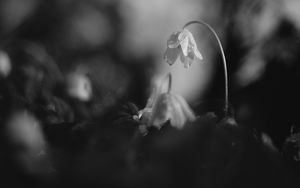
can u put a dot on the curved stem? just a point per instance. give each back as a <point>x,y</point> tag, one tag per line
<point>223,57</point>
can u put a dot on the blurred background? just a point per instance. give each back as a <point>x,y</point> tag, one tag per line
<point>65,61</point>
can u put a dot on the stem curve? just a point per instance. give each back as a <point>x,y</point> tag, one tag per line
<point>223,57</point>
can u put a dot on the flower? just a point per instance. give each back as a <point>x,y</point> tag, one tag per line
<point>166,106</point>
<point>184,45</point>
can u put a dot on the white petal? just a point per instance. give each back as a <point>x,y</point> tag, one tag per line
<point>184,46</point>
<point>178,118</point>
<point>193,44</point>
<point>189,113</point>
<point>184,41</point>
<point>184,34</point>
<point>198,54</point>
<point>173,41</point>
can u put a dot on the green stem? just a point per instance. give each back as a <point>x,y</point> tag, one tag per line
<point>223,57</point>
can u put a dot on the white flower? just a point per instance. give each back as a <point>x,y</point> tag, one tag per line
<point>164,106</point>
<point>184,45</point>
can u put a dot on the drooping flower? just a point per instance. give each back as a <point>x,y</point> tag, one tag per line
<point>184,45</point>
<point>163,106</point>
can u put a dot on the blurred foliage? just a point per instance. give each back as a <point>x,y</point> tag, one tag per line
<point>70,65</point>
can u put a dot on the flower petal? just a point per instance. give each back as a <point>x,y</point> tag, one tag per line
<point>192,43</point>
<point>173,41</point>
<point>171,107</point>
<point>167,108</point>
<point>161,111</point>
<point>189,113</point>
<point>164,106</point>
<point>171,55</point>
<point>198,54</point>
<point>184,46</point>
<point>191,53</point>
<point>183,35</point>
<point>184,41</point>
<point>186,60</point>
<point>177,118</point>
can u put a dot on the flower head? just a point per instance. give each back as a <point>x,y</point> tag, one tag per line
<point>184,45</point>
<point>165,106</point>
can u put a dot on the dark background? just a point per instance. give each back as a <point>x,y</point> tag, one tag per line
<point>119,44</point>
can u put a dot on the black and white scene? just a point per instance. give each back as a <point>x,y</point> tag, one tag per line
<point>150,94</point>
